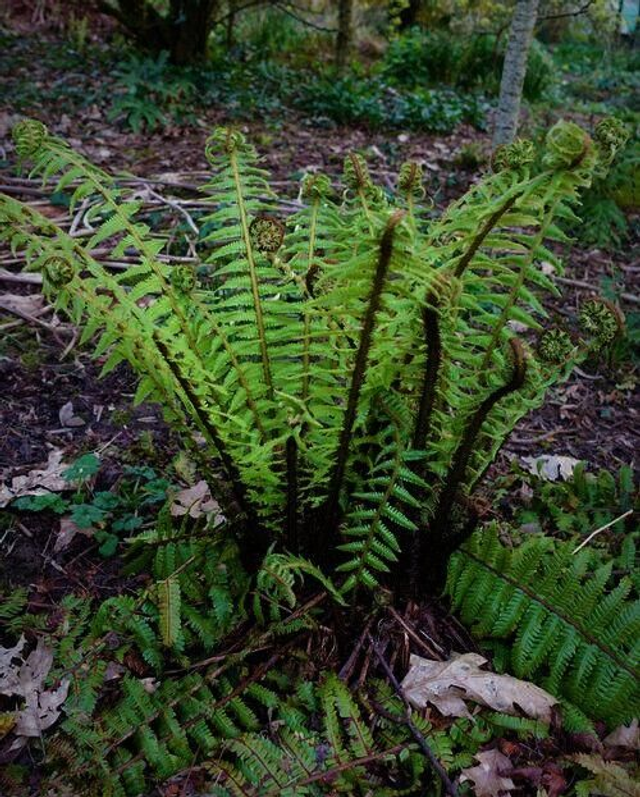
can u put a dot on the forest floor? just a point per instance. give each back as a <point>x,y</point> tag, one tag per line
<point>592,417</point>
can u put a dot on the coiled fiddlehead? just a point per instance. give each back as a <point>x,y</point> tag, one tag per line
<point>267,234</point>
<point>567,146</point>
<point>513,156</point>
<point>28,136</point>
<point>58,271</point>
<point>554,346</point>
<point>183,279</point>
<point>602,320</point>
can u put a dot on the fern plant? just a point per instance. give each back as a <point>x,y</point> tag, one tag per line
<point>556,616</point>
<point>344,376</point>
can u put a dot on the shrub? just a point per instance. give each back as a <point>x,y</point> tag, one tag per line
<point>350,371</point>
<point>420,58</point>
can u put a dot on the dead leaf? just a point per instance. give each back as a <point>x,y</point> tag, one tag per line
<point>68,417</point>
<point>25,678</point>
<point>627,736</point>
<point>67,531</point>
<point>488,777</point>
<point>9,680</point>
<point>41,711</point>
<point>196,501</point>
<point>550,467</point>
<point>38,481</point>
<point>444,684</point>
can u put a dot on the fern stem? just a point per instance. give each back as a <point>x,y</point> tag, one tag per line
<point>474,425</point>
<point>359,370</point>
<point>489,224</point>
<point>433,342</point>
<point>253,275</point>
<point>237,487</point>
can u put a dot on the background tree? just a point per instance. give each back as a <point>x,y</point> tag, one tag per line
<point>345,32</point>
<point>514,71</point>
<point>183,31</point>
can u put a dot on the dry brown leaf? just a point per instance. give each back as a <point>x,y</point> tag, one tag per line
<point>627,736</point>
<point>488,777</point>
<point>196,501</point>
<point>444,684</point>
<point>25,678</point>
<point>67,531</point>
<point>68,417</point>
<point>550,467</point>
<point>38,481</point>
<point>9,680</point>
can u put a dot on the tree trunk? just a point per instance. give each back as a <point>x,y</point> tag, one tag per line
<point>183,32</point>
<point>514,71</point>
<point>409,14</point>
<point>345,28</point>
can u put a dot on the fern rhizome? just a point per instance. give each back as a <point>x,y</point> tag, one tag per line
<point>343,377</point>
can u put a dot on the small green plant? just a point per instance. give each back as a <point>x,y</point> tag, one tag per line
<point>150,93</point>
<point>111,515</point>
<point>351,372</point>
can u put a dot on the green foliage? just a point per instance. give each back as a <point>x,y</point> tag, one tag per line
<point>573,509</point>
<point>420,57</point>
<point>150,93</point>
<point>350,369</point>
<point>557,616</point>
<point>111,514</point>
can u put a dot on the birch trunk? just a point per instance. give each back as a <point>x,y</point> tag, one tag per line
<point>514,71</point>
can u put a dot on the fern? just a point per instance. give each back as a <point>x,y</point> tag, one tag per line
<point>350,373</point>
<point>567,626</point>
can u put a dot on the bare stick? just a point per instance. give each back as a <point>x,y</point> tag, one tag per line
<point>419,737</point>
<point>603,528</point>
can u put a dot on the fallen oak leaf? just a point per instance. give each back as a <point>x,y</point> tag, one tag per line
<point>66,533</point>
<point>41,711</point>
<point>195,501</point>
<point>26,680</point>
<point>551,467</point>
<point>447,684</point>
<point>37,481</point>
<point>489,775</point>
<point>626,736</point>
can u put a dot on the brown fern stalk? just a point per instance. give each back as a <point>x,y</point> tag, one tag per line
<point>442,541</point>
<point>331,509</point>
<point>477,242</point>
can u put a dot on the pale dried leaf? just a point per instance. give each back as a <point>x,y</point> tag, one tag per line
<point>444,684</point>
<point>488,777</point>
<point>196,501</point>
<point>9,669</point>
<point>67,531</point>
<point>26,680</point>
<point>68,417</point>
<point>550,467</point>
<point>627,736</point>
<point>38,481</point>
<point>41,711</point>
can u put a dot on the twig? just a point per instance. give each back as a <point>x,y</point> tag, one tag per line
<point>603,528</point>
<point>419,737</point>
<point>628,297</point>
<point>411,632</point>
